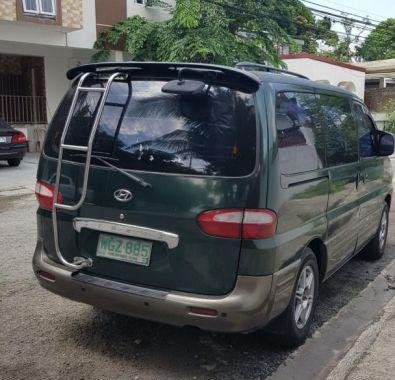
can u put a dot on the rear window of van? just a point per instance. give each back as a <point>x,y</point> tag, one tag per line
<point>144,129</point>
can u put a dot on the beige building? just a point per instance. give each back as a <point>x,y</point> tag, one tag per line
<point>39,41</point>
<point>380,88</point>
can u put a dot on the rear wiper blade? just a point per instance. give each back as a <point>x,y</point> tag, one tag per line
<point>125,173</point>
<point>136,179</point>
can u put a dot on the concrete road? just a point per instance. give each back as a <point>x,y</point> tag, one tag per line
<point>45,336</point>
<point>20,180</point>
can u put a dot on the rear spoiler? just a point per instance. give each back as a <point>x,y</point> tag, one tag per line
<point>215,74</point>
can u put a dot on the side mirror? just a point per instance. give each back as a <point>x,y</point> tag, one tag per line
<point>385,144</point>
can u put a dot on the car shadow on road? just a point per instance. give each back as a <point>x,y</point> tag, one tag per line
<point>190,353</point>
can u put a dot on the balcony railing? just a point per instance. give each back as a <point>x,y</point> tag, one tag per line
<point>380,99</point>
<point>19,109</point>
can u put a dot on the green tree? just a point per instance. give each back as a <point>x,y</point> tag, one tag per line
<point>342,47</point>
<point>218,31</point>
<point>380,44</point>
<point>390,127</point>
<point>389,109</point>
<point>343,50</point>
<point>298,22</point>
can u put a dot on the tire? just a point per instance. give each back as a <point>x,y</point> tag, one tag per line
<point>291,331</point>
<point>376,248</point>
<point>14,162</point>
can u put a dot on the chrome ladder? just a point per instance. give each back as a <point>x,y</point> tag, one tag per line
<point>79,262</point>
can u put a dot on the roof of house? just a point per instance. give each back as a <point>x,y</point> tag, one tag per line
<point>381,66</point>
<point>323,59</point>
<point>289,79</point>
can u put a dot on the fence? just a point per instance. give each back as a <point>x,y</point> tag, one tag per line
<point>379,100</point>
<point>19,109</point>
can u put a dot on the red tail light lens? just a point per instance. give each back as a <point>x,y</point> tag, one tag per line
<point>239,223</point>
<point>18,138</point>
<point>222,223</point>
<point>45,195</point>
<point>203,311</point>
<point>46,276</point>
<point>259,224</point>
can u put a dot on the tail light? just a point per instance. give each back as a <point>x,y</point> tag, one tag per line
<point>203,311</point>
<point>239,223</point>
<point>45,195</point>
<point>18,138</point>
<point>46,276</point>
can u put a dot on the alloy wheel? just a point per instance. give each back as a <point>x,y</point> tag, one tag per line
<point>383,230</point>
<point>304,297</point>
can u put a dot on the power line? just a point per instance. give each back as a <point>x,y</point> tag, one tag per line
<point>339,10</point>
<point>342,21</point>
<point>351,35</point>
<point>341,17</point>
<point>259,15</point>
<point>335,16</point>
<point>356,9</point>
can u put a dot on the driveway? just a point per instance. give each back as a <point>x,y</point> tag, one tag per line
<point>19,180</point>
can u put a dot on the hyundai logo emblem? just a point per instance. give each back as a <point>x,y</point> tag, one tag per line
<point>123,195</point>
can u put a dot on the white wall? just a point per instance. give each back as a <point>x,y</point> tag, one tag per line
<point>317,70</point>
<point>151,13</point>
<point>32,34</point>
<point>56,62</point>
<point>56,65</point>
<point>86,37</point>
<point>56,83</point>
<point>61,50</point>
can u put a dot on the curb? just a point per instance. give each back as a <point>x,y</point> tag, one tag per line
<point>361,347</point>
<point>322,353</point>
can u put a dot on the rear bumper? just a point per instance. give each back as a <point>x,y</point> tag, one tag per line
<point>247,307</point>
<point>10,151</point>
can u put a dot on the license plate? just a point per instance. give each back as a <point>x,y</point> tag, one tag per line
<point>3,139</point>
<point>132,251</point>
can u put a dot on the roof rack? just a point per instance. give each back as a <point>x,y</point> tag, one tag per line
<point>270,69</point>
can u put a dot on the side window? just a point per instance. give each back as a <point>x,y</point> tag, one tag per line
<point>299,133</point>
<point>341,131</point>
<point>366,131</point>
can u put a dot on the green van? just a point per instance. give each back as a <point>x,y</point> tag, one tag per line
<point>208,196</point>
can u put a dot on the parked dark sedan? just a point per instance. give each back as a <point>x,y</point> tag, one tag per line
<point>13,144</point>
